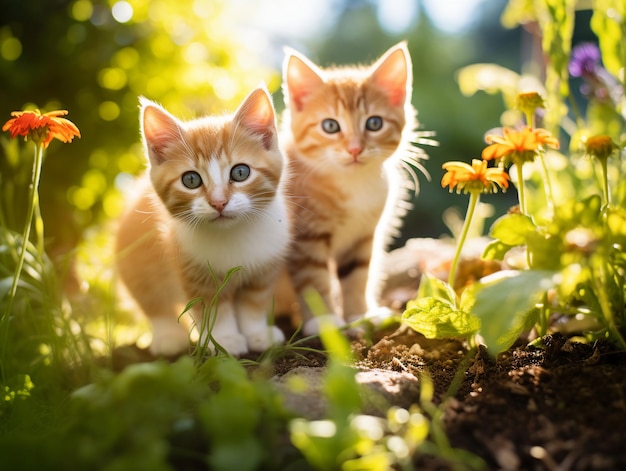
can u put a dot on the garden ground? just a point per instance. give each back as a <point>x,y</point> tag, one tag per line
<point>557,406</point>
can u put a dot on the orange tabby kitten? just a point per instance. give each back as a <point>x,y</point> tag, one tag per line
<point>348,134</point>
<point>215,202</point>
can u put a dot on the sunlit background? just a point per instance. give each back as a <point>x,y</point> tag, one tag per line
<point>95,57</point>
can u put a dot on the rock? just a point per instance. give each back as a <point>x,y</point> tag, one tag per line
<point>405,265</point>
<point>302,393</point>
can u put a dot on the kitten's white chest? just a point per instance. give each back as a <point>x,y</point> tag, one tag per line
<point>251,244</point>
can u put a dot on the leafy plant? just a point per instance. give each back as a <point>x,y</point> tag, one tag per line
<point>565,243</point>
<point>346,439</point>
<point>437,311</point>
<point>163,416</point>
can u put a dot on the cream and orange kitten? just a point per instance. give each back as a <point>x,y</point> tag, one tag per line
<point>214,201</point>
<point>348,133</point>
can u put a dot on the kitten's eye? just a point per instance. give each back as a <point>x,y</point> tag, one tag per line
<point>191,180</point>
<point>330,126</point>
<point>374,123</point>
<point>239,172</point>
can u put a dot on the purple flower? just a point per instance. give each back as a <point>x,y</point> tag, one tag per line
<point>598,83</point>
<point>585,60</point>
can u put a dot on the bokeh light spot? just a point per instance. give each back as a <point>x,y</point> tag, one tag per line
<point>99,159</point>
<point>156,86</point>
<point>122,12</point>
<point>95,180</point>
<point>82,10</point>
<point>126,58</point>
<point>196,52</point>
<point>129,163</point>
<point>109,110</point>
<point>113,204</point>
<point>82,198</point>
<point>225,88</point>
<point>161,46</point>
<point>11,49</point>
<point>112,78</point>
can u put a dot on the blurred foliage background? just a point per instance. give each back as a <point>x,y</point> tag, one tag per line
<point>95,57</point>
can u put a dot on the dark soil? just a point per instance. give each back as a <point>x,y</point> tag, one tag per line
<point>560,407</point>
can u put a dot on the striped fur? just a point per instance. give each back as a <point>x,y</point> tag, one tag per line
<point>348,189</point>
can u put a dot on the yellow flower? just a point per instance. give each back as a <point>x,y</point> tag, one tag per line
<point>518,146</point>
<point>600,147</point>
<point>41,128</point>
<point>474,178</point>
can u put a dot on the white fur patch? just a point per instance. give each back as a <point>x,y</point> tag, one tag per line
<point>239,203</point>
<point>250,243</point>
<point>216,173</point>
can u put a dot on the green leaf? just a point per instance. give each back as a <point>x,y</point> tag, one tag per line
<point>433,287</point>
<point>334,341</point>
<point>616,223</point>
<point>342,392</point>
<point>243,454</point>
<point>496,250</point>
<point>434,318</point>
<point>556,20</point>
<point>518,12</point>
<point>610,30</point>
<point>588,210</point>
<point>315,302</point>
<point>505,304</point>
<point>545,252</point>
<point>512,229</point>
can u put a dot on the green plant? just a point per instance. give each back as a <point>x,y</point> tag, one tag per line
<point>570,225</point>
<point>346,439</point>
<point>162,416</point>
<point>41,130</point>
<point>37,337</point>
<point>437,311</point>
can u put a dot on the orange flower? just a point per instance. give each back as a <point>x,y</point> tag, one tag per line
<point>518,146</point>
<point>41,128</point>
<point>474,178</point>
<point>600,146</point>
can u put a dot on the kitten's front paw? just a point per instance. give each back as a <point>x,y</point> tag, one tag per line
<point>312,326</point>
<point>262,339</point>
<point>169,343</point>
<point>235,343</point>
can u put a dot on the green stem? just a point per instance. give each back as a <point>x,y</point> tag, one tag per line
<point>530,119</point>
<point>544,314</point>
<point>38,220</point>
<point>33,199</point>
<point>474,199</point>
<point>605,180</point>
<point>547,183</point>
<point>600,281</point>
<point>520,188</point>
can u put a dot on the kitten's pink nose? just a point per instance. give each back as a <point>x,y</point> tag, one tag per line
<point>354,147</point>
<point>219,204</point>
<point>355,150</point>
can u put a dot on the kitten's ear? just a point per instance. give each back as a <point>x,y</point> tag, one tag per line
<point>300,77</point>
<point>393,72</point>
<point>158,128</point>
<point>257,115</point>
